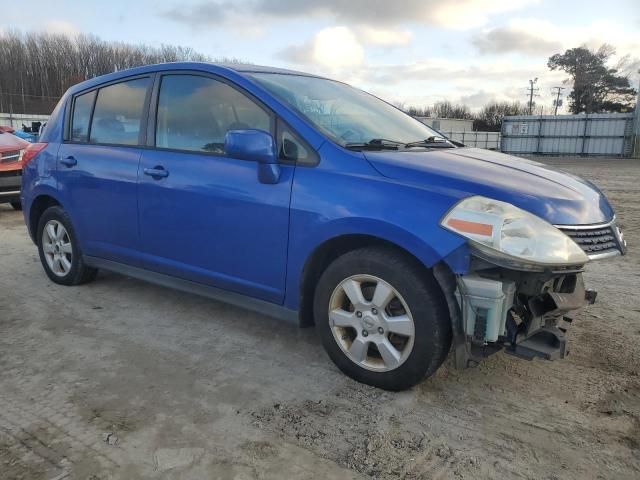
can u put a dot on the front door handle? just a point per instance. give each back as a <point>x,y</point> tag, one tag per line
<point>156,172</point>
<point>69,161</point>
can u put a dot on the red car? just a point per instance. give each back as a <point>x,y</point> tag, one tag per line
<point>11,149</point>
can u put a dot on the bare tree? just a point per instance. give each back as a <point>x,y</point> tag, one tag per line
<point>37,68</point>
<point>444,109</point>
<point>489,118</point>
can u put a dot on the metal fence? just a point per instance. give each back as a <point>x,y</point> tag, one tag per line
<point>16,120</point>
<point>608,134</point>
<point>487,140</point>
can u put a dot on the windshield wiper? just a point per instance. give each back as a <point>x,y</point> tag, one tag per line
<point>431,142</point>
<point>375,144</point>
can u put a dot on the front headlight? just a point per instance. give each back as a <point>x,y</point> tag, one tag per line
<point>500,230</point>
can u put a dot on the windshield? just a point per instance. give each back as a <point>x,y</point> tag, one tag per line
<point>345,114</point>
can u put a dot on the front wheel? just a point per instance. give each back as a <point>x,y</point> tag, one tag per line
<point>382,318</point>
<point>17,205</point>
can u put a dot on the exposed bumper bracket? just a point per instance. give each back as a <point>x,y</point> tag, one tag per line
<point>548,343</point>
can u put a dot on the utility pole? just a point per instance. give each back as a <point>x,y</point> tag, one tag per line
<point>636,127</point>
<point>557,102</point>
<point>532,92</point>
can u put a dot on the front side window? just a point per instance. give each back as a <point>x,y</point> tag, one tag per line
<point>345,114</point>
<point>195,113</point>
<point>81,116</point>
<point>118,113</point>
<point>292,149</point>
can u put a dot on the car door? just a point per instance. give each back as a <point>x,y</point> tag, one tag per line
<point>97,169</point>
<point>205,216</point>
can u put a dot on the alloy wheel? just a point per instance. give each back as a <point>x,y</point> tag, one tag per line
<point>57,248</point>
<point>371,323</point>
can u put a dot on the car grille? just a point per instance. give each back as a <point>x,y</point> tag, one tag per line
<point>10,182</point>
<point>12,156</point>
<point>599,240</point>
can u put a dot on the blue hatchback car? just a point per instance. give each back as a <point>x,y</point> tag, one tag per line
<point>304,198</point>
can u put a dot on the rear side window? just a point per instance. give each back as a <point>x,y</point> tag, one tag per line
<point>118,113</point>
<point>81,117</point>
<point>195,113</point>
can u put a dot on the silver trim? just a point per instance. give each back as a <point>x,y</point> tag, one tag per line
<point>600,256</point>
<point>593,226</point>
<point>622,244</point>
<point>6,194</point>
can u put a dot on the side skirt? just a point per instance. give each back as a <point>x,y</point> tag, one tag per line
<point>239,300</point>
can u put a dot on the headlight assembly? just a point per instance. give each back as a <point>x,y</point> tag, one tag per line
<point>506,233</point>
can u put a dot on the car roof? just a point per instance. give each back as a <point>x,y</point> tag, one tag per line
<point>241,69</point>
<point>250,68</point>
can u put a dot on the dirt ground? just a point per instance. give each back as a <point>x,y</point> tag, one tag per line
<point>120,379</point>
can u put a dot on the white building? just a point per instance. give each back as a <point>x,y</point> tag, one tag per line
<point>445,125</point>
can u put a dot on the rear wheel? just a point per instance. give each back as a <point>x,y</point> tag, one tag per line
<point>17,205</point>
<point>59,251</point>
<point>382,318</point>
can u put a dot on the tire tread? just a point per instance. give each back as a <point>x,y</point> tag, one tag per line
<point>80,273</point>
<point>415,282</point>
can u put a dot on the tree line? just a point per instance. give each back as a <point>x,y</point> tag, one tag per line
<point>487,119</point>
<point>37,68</point>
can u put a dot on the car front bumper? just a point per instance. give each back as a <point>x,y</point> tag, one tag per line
<point>526,314</point>
<point>10,183</point>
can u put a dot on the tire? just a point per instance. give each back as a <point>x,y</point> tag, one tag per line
<point>418,350</point>
<point>17,205</point>
<point>71,270</point>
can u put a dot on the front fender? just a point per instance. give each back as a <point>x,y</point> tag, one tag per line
<point>345,195</point>
<point>404,239</point>
<point>301,251</point>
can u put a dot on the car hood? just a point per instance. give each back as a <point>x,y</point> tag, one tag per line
<point>558,197</point>
<point>9,141</point>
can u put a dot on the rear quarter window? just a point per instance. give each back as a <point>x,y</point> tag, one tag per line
<point>81,117</point>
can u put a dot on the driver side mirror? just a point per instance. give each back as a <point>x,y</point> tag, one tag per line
<point>256,145</point>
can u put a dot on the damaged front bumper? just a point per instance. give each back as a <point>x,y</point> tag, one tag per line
<point>524,313</point>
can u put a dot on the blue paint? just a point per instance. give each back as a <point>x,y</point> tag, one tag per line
<point>246,222</point>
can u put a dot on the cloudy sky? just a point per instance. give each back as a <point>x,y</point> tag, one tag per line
<point>411,51</point>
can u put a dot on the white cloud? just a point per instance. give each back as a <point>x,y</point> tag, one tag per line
<point>537,36</point>
<point>466,14</point>
<point>333,47</point>
<point>337,47</point>
<point>385,37</point>
<point>61,27</point>
<point>458,14</point>
<point>531,36</point>
<point>341,47</point>
<point>429,80</point>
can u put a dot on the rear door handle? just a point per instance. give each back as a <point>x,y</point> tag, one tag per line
<point>69,161</point>
<point>156,172</point>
